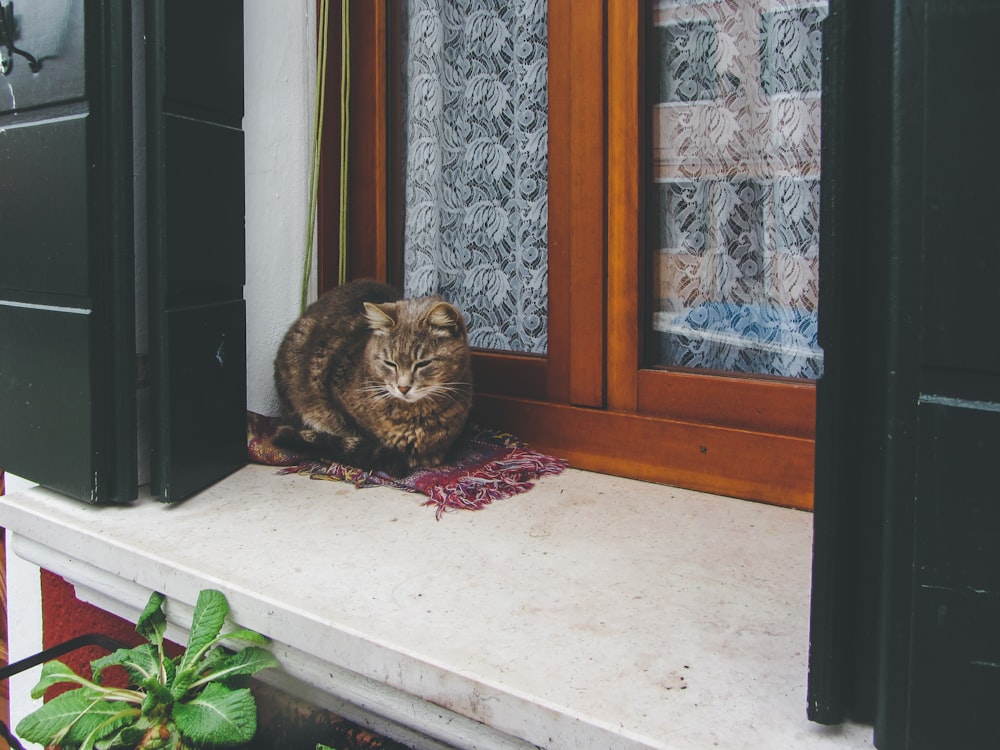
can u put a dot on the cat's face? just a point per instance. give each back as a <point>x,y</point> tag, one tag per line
<point>418,350</point>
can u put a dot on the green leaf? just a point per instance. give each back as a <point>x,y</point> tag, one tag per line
<point>55,673</point>
<point>158,696</point>
<point>248,661</point>
<point>152,623</point>
<point>146,734</point>
<point>209,617</point>
<point>170,670</point>
<point>111,724</point>
<point>213,659</point>
<point>129,736</point>
<point>53,718</point>
<point>247,636</point>
<point>182,683</point>
<point>69,718</point>
<point>218,716</point>
<point>142,663</point>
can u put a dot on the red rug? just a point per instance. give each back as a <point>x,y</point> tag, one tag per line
<point>484,465</point>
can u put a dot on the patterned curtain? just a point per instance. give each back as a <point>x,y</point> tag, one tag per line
<point>736,139</point>
<point>476,134</point>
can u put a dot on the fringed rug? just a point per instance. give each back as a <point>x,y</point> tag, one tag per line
<point>484,465</point>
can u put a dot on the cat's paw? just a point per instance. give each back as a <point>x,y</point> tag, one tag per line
<point>428,461</point>
<point>314,444</point>
<point>395,464</point>
<point>288,438</point>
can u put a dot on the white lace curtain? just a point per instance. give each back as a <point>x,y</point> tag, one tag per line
<point>736,90</point>
<point>736,144</point>
<point>476,126</point>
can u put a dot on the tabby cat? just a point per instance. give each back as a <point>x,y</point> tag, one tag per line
<point>374,381</point>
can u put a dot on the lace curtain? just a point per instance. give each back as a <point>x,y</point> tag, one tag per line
<point>476,125</point>
<point>736,139</point>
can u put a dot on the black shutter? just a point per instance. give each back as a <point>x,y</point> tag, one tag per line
<point>955,684</point>
<point>196,242</point>
<point>67,268</point>
<point>67,341</point>
<point>852,394</point>
<point>906,585</point>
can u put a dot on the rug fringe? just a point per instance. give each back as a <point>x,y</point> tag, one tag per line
<point>506,467</point>
<point>505,477</point>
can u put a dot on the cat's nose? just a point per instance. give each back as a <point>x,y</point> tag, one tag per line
<point>404,389</point>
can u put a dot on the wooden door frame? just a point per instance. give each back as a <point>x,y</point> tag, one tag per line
<point>588,399</point>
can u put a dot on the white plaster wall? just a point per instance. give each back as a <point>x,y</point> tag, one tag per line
<point>280,89</point>
<point>24,620</point>
<point>279,81</point>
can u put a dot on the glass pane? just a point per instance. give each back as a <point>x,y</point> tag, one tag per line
<point>734,199</point>
<point>475,116</point>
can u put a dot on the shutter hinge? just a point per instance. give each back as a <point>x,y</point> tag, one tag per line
<point>8,34</point>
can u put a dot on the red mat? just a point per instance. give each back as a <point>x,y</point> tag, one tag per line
<point>483,466</point>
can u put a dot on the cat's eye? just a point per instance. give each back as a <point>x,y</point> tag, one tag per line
<point>389,363</point>
<point>422,363</point>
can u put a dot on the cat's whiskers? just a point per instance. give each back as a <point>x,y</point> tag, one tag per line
<point>449,391</point>
<point>378,391</point>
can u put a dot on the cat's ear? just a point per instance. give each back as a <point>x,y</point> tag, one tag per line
<point>380,318</point>
<point>445,320</point>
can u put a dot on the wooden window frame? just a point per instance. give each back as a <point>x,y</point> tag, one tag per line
<point>589,399</point>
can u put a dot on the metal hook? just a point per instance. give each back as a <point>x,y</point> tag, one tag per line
<point>7,41</point>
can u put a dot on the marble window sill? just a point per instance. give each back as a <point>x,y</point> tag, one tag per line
<point>591,612</point>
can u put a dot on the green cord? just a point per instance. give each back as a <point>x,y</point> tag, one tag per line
<point>345,98</point>
<point>321,55</point>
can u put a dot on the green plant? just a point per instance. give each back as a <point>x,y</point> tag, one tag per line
<point>190,701</point>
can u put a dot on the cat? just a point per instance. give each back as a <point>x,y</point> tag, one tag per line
<point>374,381</point>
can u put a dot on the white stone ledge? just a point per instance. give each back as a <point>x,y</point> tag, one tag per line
<point>590,613</point>
<point>348,694</point>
